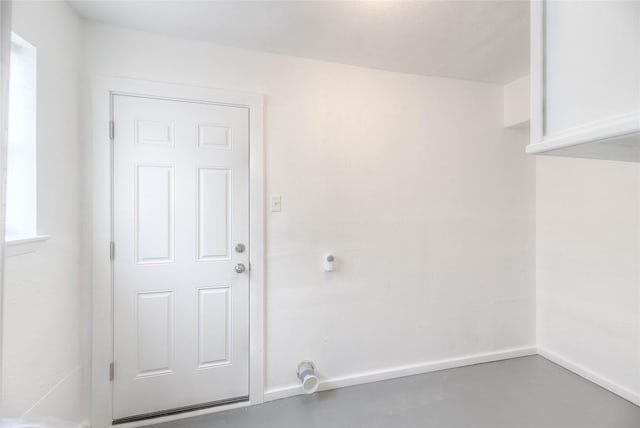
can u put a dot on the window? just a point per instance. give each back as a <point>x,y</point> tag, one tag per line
<point>21,215</point>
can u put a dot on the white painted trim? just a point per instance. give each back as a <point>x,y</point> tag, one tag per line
<point>591,376</point>
<point>536,76</point>
<point>5,50</point>
<point>401,371</point>
<point>612,127</point>
<point>103,89</point>
<point>24,246</point>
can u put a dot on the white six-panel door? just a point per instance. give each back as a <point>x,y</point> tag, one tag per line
<point>180,209</point>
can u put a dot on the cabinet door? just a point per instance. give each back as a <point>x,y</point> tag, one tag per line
<point>591,62</point>
<point>585,79</point>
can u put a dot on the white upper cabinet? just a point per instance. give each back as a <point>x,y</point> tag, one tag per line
<point>585,79</point>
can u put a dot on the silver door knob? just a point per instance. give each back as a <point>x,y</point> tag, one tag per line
<point>240,268</point>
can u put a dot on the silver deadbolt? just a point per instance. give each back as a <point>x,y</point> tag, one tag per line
<point>240,248</point>
<point>240,268</point>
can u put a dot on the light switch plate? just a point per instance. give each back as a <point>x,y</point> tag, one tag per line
<point>276,203</point>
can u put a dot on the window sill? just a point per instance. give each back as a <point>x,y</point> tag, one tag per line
<point>24,246</point>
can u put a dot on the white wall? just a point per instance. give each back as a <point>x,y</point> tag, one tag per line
<point>42,373</point>
<point>516,103</point>
<point>588,268</point>
<point>588,262</point>
<point>427,203</point>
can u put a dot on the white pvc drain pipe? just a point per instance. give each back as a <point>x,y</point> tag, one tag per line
<point>306,374</point>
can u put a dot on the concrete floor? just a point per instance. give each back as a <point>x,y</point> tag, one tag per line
<point>522,392</point>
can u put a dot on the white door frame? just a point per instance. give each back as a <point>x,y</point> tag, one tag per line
<point>101,203</point>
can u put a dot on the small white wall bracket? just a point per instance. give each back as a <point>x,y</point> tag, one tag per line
<point>328,262</point>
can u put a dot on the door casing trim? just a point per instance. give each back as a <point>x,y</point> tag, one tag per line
<point>100,203</point>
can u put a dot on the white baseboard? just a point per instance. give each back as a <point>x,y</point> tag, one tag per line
<point>591,376</point>
<point>401,371</point>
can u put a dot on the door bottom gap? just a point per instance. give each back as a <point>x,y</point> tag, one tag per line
<point>179,410</point>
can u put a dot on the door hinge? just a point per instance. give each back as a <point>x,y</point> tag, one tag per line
<point>111,372</point>
<point>112,250</point>
<point>111,129</point>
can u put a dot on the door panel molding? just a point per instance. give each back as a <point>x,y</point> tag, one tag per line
<point>100,195</point>
<point>209,248</point>
<point>150,211</point>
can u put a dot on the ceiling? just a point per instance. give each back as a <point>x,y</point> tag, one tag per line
<point>475,40</point>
